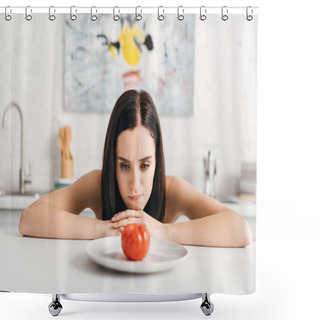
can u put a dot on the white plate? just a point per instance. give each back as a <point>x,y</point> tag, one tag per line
<point>162,255</point>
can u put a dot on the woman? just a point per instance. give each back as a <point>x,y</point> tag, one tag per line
<point>132,188</point>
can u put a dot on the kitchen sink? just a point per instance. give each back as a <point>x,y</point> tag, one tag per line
<point>26,193</point>
<point>15,200</point>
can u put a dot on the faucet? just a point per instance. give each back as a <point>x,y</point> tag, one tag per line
<point>22,178</point>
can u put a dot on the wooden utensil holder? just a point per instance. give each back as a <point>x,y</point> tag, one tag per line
<point>67,168</point>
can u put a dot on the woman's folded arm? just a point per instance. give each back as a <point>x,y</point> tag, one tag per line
<point>222,229</point>
<point>44,220</point>
<point>56,215</point>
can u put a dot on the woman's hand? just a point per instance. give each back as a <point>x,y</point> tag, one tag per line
<point>106,229</point>
<point>156,228</point>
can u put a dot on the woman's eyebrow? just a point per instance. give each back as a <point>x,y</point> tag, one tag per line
<point>141,160</point>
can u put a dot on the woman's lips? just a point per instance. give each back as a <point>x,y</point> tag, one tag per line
<point>135,198</point>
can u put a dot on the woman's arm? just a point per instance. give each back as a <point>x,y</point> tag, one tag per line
<point>222,229</point>
<point>56,214</point>
<point>211,223</point>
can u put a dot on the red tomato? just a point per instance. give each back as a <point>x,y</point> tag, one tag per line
<point>135,241</point>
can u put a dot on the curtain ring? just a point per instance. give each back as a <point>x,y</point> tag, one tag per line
<point>224,13</point>
<point>116,17</point>
<point>160,16</point>
<point>138,15</point>
<point>93,16</point>
<point>52,16</point>
<point>73,17</point>
<point>7,16</point>
<point>249,16</point>
<point>203,15</point>
<point>180,16</point>
<point>28,16</point>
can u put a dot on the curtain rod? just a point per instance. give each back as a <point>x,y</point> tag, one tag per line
<point>126,9</point>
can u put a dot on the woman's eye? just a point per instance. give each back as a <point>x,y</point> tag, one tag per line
<point>124,166</point>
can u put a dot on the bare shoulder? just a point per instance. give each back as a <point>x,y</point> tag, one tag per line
<point>184,199</point>
<point>94,184</point>
<point>173,210</point>
<point>176,186</point>
<point>94,176</point>
<point>90,183</point>
<point>88,190</point>
<point>174,181</point>
<point>84,193</point>
<point>177,190</point>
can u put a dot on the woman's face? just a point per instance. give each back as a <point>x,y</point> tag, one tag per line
<point>135,166</point>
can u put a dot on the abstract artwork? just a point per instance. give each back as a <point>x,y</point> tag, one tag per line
<point>103,58</point>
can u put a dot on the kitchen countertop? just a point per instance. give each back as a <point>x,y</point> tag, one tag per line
<point>61,266</point>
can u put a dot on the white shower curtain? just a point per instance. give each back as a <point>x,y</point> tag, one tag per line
<point>202,76</point>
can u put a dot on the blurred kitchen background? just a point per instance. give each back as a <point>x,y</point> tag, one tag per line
<point>221,126</point>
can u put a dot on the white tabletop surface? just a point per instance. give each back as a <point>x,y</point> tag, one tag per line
<point>62,266</point>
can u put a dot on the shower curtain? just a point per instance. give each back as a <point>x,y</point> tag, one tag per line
<point>65,71</point>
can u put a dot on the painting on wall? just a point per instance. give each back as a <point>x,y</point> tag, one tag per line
<point>104,58</point>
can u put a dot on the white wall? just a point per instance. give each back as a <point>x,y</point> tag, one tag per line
<point>224,119</point>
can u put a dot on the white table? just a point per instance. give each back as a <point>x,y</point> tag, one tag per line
<point>62,267</point>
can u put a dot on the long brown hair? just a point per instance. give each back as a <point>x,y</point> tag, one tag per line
<point>133,108</point>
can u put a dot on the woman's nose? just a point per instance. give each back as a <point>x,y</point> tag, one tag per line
<point>135,180</point>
